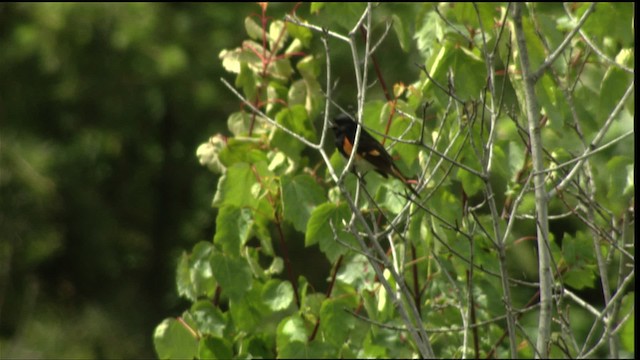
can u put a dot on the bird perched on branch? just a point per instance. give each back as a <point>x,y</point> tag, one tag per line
<point>371,154</point>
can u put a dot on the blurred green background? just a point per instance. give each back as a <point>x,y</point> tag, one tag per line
<point>102,107</point>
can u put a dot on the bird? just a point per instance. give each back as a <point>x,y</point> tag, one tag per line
<point>371,154</point>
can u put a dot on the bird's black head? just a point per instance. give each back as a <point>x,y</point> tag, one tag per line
<point>343,123</point>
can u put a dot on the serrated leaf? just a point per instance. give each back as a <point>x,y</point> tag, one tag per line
<point>291,329</point>
<point>245,151</point>
<point>233,227</point>
<point>215,348</point>
<point>233,274</point>
<point>248,313</point>
<point>277,294</point>
<point>300,195</point>
<point>172,340</point>
<point>300,32</point>
<point>579,278</point>
<point>358,273</point>
<point>208,318</point>
<point>471,183</point>
<point>194,276</point>
<point>335,323</point>
<point>295,119</point>
<point>234,187</point>
<point>319,229</point>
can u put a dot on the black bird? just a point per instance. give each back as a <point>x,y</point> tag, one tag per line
<point>371,154</point>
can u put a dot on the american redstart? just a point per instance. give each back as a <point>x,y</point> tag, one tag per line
<point>371,154</point>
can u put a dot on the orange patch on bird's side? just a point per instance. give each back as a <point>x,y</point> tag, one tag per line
<point>374,152</point>
<point>347,146</point>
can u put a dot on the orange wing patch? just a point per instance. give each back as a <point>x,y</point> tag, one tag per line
<point>347,146</point>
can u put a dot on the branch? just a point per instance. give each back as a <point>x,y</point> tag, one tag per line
<point>595,49</point>
<point>594,143</point>
<point>532,111</point>
<point>551,58</point>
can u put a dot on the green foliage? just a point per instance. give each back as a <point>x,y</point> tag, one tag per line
<point>440,261</point>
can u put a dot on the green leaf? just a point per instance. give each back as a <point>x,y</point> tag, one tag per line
<point>194,276</point>
<point>335,323</point>
<point>300,32</point>
<point>240,123</point>
<point>619,185</point>
<point>172,340</point>
<point>277,294</point>
<point>408,152</point>
<point>233,227</point>
<point>401,32</point>
<point>215,348</point>
<point>316,7</point>
<point>577,251</point>
<point>291,329</point>
<point>319,229</point>
<point>280,69</point>
<point>429,33</point>
<point>552,102</point>
<point>579,278</point>
<point>242,150</point>
<point>237,187</point>
<point>358,273</point>
<point>249,313</point>
<point>253,29</point>
<point>233,274</point>
<point>295,119</point>
<point>278,36</point>
<point>610,21</point>
<point>208,318</point>
<point>627,334</point>
<point>471,183</point>
<point>312,350</point>
<point>300,196</point>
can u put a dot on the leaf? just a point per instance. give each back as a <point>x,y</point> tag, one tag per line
<point>215,348</point>
<point>172,340</point>
<point>249,313</point>
<point>278,36</point>
<point>577,251</point>
<point>240,123</point>
<point>358,273</point>
<point>277,294</point>
<point>291,329</point>
<point>233,185</point>
<point>209,319</point>
<point>300,32</point>
<point>194,277</point>
<point>401,32</point>
<point>627,334</point>
<point>245,150</point>
<point>335,323</point>
<point>300,196</point>
<point>253,29</point>
<point>233,274</point>
<point>233,227</point>
<point>319,229</point>
<point>619,184</point>
<point>295,119</point>
<point>579,278</point>
<point>408,152</point>
<point>471,183</point>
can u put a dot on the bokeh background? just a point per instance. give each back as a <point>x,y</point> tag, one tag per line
<point>102,107</point>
